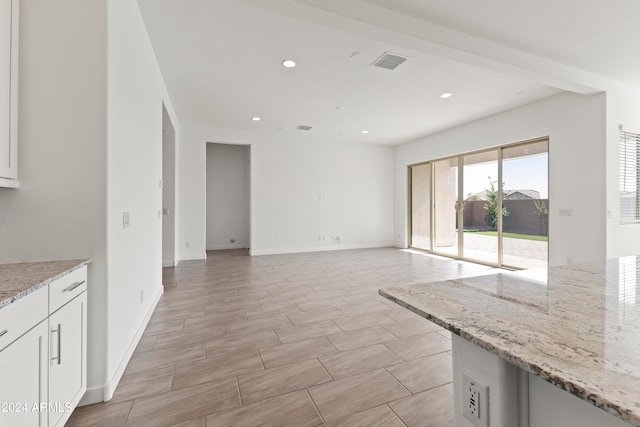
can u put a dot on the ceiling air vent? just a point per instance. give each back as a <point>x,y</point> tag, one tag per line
<point>303,127</point>
<point>389,61</point>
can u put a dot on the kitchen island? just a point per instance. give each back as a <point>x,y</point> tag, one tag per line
<point>556,347</point>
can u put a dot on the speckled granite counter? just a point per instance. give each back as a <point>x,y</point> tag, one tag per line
<point>578,328</point>
<point>21,279</point>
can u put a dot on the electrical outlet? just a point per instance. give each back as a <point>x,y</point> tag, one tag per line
<point>475,401</point>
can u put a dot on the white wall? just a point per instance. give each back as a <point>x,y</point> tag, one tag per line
<point>59,211</point>
<point>136,94</point>
<point>575,126</point>
<point>289,178</point>
<point>191,190</point>
<point>168,191</point>
<point>623,108</point>
<point>90,146</point>
<point>228,196</point>
<point>302,191</point>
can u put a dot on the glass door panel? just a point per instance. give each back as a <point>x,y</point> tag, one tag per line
<point>421,206</point>
<point>459,209</point>
<point>526,187</point>
<point>445,202</point>
<point>480,214</point>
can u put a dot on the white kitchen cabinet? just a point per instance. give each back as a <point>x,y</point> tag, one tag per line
<point>43,352</point>
<point>23,364</point>
<point>67,344</point>
<point>24,353</point>
<point>9,12</point>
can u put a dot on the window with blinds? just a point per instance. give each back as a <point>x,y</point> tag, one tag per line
<point>629,177</point>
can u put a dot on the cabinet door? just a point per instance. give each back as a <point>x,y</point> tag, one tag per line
<point>8,92</point>
<point>23,388</point>
<point>67,359</point>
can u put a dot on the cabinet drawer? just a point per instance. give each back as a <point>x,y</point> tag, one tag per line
<point>66,288</point>
<point>22,315</point>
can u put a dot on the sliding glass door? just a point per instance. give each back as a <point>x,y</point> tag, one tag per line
<point>420,176</point>
<point>445,204</point>
<point>480,219</point>
<point>490,206</point>
<point>526,196</point>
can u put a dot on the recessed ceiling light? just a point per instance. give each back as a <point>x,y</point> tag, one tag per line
<point>288,63</point>
<point>446,95</point>
<point>256,119</point>
<point>365,131</point>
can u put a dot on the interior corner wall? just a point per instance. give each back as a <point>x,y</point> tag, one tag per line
<point>228,196</point>
<point>301,191</point>
<point>59,210</point>
<point>136,94</point>
<point>575,125</point>
<point>623,108</point>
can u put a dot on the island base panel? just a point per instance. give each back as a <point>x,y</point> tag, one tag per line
<point>518,398</point>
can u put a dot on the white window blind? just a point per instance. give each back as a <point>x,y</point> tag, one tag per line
<point>629,177</point>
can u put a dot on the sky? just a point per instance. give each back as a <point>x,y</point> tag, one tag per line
<point>523,173</point>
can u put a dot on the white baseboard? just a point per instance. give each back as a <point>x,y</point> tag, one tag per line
<point>105,393</point>
<point>226,247</point>
<point>111,385</point>
<point>169,264</point>
<point>193,257</point>
<point>92,395</point>
<point>254,252</point>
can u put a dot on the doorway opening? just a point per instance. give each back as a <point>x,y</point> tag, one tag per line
<point>168,190</point>
<point>490,206</point>
<point>228,196</point>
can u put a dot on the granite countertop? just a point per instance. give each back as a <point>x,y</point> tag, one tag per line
<point>21,279</point>
<point>577,327</point>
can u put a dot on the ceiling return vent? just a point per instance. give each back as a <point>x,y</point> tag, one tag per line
<point>303,127</point>
<point>389,61</point>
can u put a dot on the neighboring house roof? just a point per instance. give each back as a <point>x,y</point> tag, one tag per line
<point>509,195</point>
<point>521,194</point>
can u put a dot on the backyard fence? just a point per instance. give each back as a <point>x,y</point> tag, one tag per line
<point>522,217</point>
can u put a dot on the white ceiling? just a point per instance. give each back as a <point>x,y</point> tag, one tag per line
<point>596,35</point>
<point>221,60</point>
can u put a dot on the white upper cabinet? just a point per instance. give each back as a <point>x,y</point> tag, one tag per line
<point>9,93</point>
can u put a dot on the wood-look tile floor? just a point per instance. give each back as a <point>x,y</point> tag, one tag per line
<point>288,340</point>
